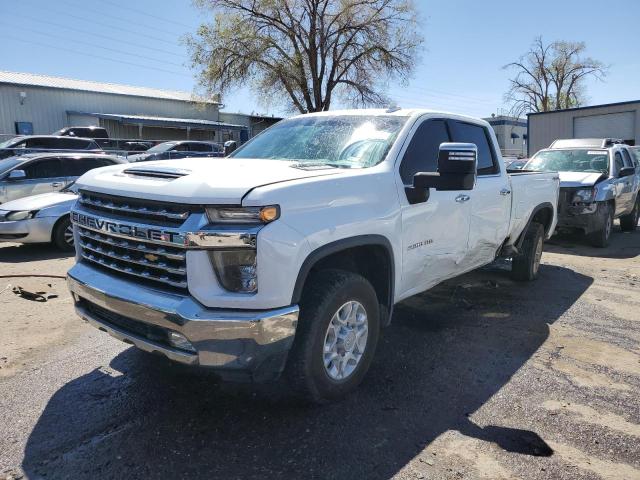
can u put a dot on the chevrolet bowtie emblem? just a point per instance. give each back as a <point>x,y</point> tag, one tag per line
<point>151,257</point>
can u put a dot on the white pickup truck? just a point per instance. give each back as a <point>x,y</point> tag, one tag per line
<point>289,255</point>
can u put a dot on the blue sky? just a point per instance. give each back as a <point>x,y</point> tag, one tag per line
<point>137,42</point>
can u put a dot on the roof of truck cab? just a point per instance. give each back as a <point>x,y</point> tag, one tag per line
<point>401,112</point>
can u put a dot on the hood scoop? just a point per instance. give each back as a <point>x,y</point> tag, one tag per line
<point>168,173</point>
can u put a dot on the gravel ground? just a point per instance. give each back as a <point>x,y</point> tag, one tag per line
<point>478,378</point>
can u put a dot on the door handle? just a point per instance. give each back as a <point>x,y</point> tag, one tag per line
<point>505,191</point>
<point>57,184</point>
<point>462,198</point>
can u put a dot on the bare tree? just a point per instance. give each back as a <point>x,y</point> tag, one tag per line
<point>306,52</point>
<point>551,77</point>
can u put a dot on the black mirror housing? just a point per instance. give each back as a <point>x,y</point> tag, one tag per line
<point>457,169</point>
<point>626,172</point>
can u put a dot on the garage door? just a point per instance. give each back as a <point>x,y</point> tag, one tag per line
<point>613,125</point>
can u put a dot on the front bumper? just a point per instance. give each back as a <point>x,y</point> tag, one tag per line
<point>33,230</point>
<point>251,345</point>
<point>588,218</point>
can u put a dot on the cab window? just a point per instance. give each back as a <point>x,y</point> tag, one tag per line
<point>422,153</point>
<point>478,135</point>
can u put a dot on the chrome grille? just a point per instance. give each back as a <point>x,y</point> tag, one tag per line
<point>169,214</point>
<point>134,257</point>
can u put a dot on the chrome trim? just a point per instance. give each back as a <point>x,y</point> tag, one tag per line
<point>127,209</point>
<point>127,259</point>
<point>239,340</point>
<point>130,271</point>
<point>138,247</point>
<point>223,238</point>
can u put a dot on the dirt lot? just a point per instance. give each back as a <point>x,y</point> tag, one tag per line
<point>479,378</point>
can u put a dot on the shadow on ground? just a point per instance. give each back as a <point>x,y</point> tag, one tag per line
<point>446,353</point>
<point>19,253</point>
<point>622,245</point>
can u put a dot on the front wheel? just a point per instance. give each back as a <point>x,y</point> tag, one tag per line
<point>526,263</point>
<point>628,223</point>
<point>336,337</point>
<point>600,238</point>
<point>63,235</point>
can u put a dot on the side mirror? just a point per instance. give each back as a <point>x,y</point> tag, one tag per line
<point>626,172</point>
<point>17,175</point>
<point>229,147</point>
<point>457,169</point>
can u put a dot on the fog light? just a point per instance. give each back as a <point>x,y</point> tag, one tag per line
<point>180,341</point>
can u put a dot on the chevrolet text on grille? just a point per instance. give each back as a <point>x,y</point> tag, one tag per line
<point>200,239</point>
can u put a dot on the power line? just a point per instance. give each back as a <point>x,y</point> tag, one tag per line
<point>91,55</point>
<point>146,14</point>
<point>94,45</point>
<point>105,14</point>
<point>95,34</point>
<point>112,27</point>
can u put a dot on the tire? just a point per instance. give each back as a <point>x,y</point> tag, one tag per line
<point>311,373</point>
<point>525,265</point>
<point>628,223</point>
<point>600,238</point>
<point>62,236</point>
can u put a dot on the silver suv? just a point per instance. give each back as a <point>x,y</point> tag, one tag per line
<point>599,181</point>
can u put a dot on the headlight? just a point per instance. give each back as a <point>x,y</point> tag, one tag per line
<point>584,196</point>
<point>23,215</point>
<point>236,269</point>
<point>243,214</point>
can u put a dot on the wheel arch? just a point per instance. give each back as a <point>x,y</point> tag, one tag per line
<point>368,255</point>
<point>543,214</point>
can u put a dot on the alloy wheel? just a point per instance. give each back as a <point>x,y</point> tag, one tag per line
<point>345,341</point>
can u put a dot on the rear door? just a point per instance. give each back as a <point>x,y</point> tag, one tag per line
<point>42,176</point>
<point>630,183</point>
<point>434,232</point>
<point>490,199</point>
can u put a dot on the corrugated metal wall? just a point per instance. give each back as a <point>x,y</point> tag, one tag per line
<point>46,107</point>
<point>546,127</point>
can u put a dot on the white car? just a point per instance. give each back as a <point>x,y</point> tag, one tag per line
<point>39,219</point>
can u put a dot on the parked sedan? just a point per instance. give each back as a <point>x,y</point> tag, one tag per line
<point>179,149</point>
<point>34,143</point>
<point>32,174</point>
<point>39,219</point>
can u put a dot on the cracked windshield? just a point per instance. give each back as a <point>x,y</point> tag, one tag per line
<point>345,141</point>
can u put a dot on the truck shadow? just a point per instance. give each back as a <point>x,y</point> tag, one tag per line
<point>446,354</point>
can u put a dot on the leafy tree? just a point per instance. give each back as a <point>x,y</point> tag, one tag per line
<point>551,77</point>
<point>306,52</point>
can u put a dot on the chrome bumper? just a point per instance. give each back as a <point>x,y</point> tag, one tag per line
<point>237,344</point>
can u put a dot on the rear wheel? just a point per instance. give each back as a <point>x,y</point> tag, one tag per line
<point>336,337</point>
<point>600,238</point>
<point>63,235</point>
<point>628,223</point>
<point>525,265</point>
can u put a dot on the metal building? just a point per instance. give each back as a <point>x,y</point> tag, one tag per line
<point>42,104</point>
<point>614,120</point>
<point>511,133</point>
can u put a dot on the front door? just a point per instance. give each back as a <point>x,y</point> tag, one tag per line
<point>42,176</point>
<point>435,231</point>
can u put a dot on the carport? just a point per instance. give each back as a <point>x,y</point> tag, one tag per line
<point>164,128</point>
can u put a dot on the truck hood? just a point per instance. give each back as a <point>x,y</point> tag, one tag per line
<point>579,179</point>
<point>192,180</point>
<point>38,202</point>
